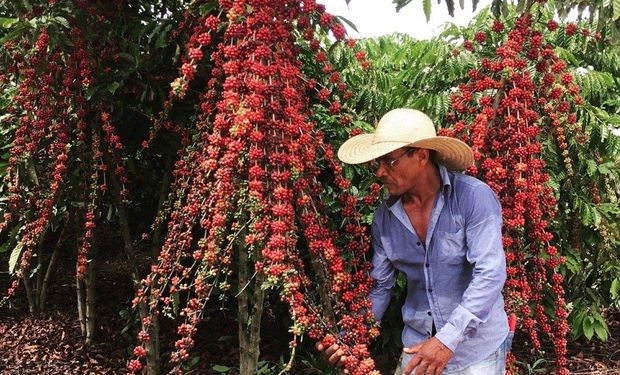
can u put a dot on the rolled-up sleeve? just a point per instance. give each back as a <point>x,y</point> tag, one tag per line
<point>483,231</point>
<point>383,273</point>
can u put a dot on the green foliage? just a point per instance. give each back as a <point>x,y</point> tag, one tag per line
<point>587,226</point>
<point>406,73</point>
<point>594,85</point>
<point>539,366</point>
<point>264,368</point>
<point>14,258</point>
<point>603,14</point>
<point>587,321</point>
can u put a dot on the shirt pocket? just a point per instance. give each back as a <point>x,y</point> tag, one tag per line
<point>451,246</point>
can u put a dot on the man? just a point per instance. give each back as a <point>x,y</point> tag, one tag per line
<point>443,231</point>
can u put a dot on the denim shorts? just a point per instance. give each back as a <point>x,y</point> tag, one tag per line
<point>495,364</point>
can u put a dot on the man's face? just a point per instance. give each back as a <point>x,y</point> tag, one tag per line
<point>397,170</point>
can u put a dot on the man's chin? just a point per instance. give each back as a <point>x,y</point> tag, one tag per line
<point>391,191</point>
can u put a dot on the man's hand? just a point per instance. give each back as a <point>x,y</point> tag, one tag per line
<point>430,358</point>
<point>333,354</point>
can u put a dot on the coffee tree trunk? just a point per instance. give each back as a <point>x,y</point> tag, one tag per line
<point>33,291</point>
<point>90,303</point>
<point>152,345</point>
<point>32,307</point>
<point>81,304</point>
<point>85,289</point>
<point>36,287</point>
<point>250,298</point>
<point>42,304</point>
<point>42,301</point>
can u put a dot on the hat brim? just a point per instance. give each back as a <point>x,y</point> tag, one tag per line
<point>454,154</point>
<point>361,149</point>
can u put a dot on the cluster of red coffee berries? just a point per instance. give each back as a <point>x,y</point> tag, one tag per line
<point>249,179</point>
<point>520,90</point>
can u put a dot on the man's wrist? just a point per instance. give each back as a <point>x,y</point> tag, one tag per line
<point>449,336</point>
<point>442,344</point>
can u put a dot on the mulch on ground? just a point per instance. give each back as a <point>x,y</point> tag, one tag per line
<point>52,343</point>
<point>584,358</point>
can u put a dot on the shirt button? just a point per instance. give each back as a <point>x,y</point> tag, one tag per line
<point>428,264</point>
<point>418,244</point>
<point>429,313</point>
<point>430,290</point>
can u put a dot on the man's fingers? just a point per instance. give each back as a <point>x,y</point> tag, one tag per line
<point>331,350</point>
<point>432,370</point>
<point>336,357</point>
<point>415,361</point>
<point>413,349</point>
<point>421,369</point>
<point>439,369</point>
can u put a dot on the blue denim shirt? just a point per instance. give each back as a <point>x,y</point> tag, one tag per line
<point>455,279</point>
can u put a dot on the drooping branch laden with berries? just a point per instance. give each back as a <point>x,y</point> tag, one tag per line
<point>247,184</point>
<point>247,188</point>
<point>520,93</point>
<point>56,174</point>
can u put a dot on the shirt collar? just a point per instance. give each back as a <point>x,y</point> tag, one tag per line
<point>446,183</point>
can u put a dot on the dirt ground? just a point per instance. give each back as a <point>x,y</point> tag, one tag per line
<point>51,343</point>
<point>584,358</point>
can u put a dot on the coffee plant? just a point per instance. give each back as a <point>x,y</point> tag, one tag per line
<point>520,95</point>
<point>250,173</point>
<point>205,132</point>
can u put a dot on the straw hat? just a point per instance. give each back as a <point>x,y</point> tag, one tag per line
<point>404,127</point>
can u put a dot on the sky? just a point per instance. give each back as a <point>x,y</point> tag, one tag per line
<point>378,17</point>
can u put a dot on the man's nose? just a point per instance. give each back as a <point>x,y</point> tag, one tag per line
<point>381,171</point>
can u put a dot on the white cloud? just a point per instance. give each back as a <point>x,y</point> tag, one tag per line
<point>378,17</point>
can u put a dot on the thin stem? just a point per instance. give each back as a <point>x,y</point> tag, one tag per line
<point>90,303</point>
<point>163,193</point>
<point>152,358</point>
<point>80,305</point>
<point>31,300</point>
<point>51,264</point>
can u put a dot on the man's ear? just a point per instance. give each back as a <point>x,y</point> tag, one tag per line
<point>423,155</point>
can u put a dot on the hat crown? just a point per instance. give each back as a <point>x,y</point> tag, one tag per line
<point>405,128</point>
<point>404,125</point>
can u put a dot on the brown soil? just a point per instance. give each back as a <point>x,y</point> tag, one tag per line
<point>584,358</point>
<point>51,343</point>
